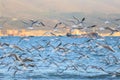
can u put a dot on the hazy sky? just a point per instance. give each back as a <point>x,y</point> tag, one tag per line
<point>58,9</point>
<point>36,7</point>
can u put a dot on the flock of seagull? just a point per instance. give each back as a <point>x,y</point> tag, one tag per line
<point>78,24</point>
<point>63,53</point>
<point>30,53</point>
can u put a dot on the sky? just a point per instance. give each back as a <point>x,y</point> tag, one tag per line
<point>30,9</point>
<point>41,7</point>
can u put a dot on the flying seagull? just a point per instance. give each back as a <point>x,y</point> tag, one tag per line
<point>33,22</point>
<point>112,30</point>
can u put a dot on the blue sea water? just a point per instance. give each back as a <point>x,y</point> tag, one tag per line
<point>60,58</point>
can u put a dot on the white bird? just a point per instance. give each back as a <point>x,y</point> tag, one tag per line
<point>106,46</point>
<point>107,22</point>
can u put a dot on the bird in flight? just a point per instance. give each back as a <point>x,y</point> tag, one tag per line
<point>106,46</point>
<point>112,30</point>
<point>32,23</point>
<point>57,25</point>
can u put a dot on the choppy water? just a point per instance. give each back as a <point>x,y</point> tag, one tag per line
<point>61,58</point>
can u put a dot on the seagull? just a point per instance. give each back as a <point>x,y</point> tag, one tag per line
<point>16,56</point>
<point>57,25</point>
<point>15,68</point>
<point>79,24</point>
<point>13,46</point>
<point>31,65</point>
<point>112,30</point>
<point>27,60</point>
<point>106,46</point>
<point>29,24</point>
<point>94,67</point>
<point>36,22</point>
<point>42,23</point>
<point>53,34</point>
<point>92,26</point>
<point>78,21</point>
<point>107,22</point>
<point>64,26</point>
<point>34,48</point>
<point>33,22</point>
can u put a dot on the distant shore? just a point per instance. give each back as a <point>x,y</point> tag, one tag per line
<point>47,33</point>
